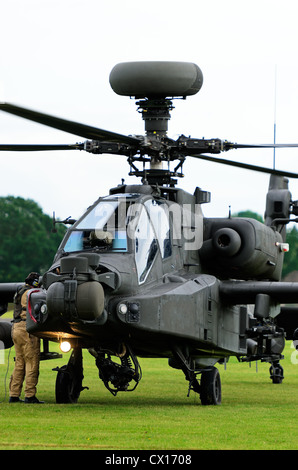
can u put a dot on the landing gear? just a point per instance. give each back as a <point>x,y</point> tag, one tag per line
<point>265,343</point>
<point>276,373</point>
<point>209,387</point>
<point>70,378</point>
<point>115,376</point>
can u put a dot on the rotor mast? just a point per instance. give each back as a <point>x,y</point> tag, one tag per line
<point>156,114</point>
<point>153,83</point>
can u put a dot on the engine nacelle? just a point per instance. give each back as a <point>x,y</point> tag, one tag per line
<point>241,248</point>
<point>226,242</point>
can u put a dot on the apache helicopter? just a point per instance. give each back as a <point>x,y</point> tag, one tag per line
<point>144,274</point>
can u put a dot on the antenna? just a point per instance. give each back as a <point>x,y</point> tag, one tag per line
<point>274,129</point>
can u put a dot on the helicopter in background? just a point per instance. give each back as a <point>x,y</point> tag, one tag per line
<point>144,274</point>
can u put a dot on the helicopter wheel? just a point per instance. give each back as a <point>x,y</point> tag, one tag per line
<point>210,388</point>
<point>65,390</point>
<point>276,373</point>
<point>69,379</point>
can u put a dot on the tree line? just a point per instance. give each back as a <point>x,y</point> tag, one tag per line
<point>27,242</point>
<point>26,239</point>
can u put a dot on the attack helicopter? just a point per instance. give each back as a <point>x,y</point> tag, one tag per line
<point>144,274</point>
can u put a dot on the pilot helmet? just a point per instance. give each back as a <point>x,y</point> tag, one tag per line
<point>33,279</point>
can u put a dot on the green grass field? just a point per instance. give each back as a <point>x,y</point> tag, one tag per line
<point>254,414</point>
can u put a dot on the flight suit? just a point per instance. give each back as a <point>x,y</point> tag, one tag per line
<point>27,348</point>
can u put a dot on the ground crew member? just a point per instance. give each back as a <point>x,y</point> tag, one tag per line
<point>27,348</point>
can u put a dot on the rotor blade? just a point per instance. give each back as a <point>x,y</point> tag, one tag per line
<point>231,145</point>
<point>37,147</point>
<point>65,125</point>
<point>247,166</point>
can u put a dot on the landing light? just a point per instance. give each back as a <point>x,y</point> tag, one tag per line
<point>122,308</point>
<point>65,346</point>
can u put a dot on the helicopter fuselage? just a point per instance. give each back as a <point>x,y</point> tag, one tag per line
<point>147,250</point>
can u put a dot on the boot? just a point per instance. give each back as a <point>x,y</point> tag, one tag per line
<point>15,400</point>
<point>33,399</point>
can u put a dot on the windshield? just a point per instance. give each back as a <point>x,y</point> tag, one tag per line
<point>103,227</point>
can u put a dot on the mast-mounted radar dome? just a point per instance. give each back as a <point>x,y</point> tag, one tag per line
<point>156,79</point>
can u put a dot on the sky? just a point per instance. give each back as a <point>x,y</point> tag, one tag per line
<point>56,57</point>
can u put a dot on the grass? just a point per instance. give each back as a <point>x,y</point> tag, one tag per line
<point>254,414</point>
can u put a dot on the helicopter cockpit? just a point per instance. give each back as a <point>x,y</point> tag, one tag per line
<point>102,228</point>
<point>121,223</point>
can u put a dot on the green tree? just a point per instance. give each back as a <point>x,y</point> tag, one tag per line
<point>249,215</point>
<point>26,241</point>
<point>291,258</point>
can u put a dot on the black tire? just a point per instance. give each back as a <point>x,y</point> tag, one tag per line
<point>276,373</point>
<point>65,390</point>
<point>210,388</point>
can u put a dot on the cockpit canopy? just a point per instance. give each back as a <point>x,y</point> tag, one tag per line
<point>124,224</point>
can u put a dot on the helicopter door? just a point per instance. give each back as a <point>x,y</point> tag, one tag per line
<point>146,246</point>
<point>159,215</point>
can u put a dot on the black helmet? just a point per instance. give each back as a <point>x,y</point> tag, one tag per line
<point>33,279</point>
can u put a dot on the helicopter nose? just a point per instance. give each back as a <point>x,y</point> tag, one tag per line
<point>76,301</point>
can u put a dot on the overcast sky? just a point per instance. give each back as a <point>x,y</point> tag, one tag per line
<point>56,56</point>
